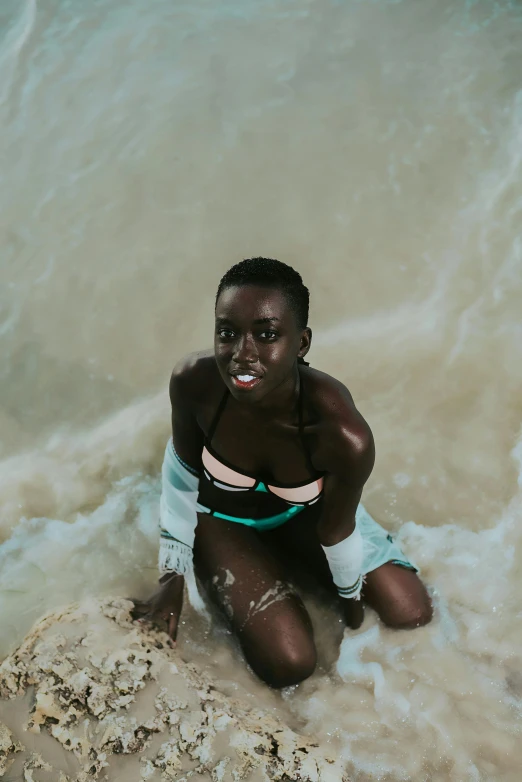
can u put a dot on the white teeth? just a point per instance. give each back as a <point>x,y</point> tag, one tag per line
<point>245,378</point>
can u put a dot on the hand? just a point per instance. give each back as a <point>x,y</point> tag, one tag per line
<point>353,611</point>
<point>165,604</point>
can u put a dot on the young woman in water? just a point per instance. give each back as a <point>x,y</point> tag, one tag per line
<point>264,472</point>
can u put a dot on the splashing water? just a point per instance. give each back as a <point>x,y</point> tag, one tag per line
<point>377,146</point>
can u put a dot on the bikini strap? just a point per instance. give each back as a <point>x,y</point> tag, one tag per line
<point>302,437</point>
<point>217,416</point>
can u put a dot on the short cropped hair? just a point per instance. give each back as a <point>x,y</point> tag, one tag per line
<point>269,273</point>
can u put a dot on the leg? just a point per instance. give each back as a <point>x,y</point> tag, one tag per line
<point>395,592</point>
<point>250,586</point>
<point>399,597</point>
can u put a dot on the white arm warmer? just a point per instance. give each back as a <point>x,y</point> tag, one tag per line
<point>178,509</point>
<point>345,560</point>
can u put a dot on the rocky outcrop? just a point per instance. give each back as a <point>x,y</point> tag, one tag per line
<point>120,703</point>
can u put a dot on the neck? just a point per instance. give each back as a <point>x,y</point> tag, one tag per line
<point>282,399</point>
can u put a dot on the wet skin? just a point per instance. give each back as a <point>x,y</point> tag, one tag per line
<point>257,334</point>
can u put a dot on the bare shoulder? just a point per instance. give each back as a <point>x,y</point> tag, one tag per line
<point>192,377</point>
<point>344,439</point>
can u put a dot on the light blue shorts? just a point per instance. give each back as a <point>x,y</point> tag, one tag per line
<point>378,545</point>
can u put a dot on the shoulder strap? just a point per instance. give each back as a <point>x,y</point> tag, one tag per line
<point>217,416</point>
<point>302,437</point>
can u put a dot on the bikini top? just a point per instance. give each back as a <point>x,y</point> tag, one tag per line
<point>223,475</point>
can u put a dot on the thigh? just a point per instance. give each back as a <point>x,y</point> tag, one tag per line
<point>251,587</point>
<point>297,544</point>
<point>395,592</point>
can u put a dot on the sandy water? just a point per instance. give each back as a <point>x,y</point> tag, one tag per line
<point>377,146</point>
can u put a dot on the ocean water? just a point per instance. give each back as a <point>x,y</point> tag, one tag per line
<point>377,146</point>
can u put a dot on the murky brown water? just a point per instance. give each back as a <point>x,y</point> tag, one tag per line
<point>376,146</point>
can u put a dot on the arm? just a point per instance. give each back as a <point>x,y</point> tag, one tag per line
<point>178,502</point>
<point>187,435</point>
<point>350,460</point>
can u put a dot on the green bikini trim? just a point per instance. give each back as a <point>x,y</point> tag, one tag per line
<point>270,522</point>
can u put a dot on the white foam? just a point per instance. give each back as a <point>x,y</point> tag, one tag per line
<point>377,148</point>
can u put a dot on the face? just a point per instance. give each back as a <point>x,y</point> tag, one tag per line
<point>257,340</point>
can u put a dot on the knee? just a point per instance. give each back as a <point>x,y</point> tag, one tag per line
<point>285,664</point>
<point>292,666</point>
<point>412,616</point>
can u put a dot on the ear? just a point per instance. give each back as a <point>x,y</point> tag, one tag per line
<point>306,342</point>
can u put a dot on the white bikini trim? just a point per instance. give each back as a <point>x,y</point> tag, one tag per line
<point>229,488</point>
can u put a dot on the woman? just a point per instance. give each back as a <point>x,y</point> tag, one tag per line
<point>265,470</point>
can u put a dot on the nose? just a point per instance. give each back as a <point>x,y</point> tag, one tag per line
<point>245,351</point>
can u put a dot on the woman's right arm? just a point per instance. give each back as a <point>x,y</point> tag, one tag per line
<point>186,384</point>
<point>178,517</point>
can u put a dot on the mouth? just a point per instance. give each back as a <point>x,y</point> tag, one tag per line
<point>245,381</point>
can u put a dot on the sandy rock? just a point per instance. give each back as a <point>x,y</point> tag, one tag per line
<point>35,763</point>
<point>8,746</point>
<point>117,697</point>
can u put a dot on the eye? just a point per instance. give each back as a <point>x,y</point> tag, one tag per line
<point>224,333</point>
<point>269,335</point>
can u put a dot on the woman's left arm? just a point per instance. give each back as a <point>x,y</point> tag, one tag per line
<point>349,461</point>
